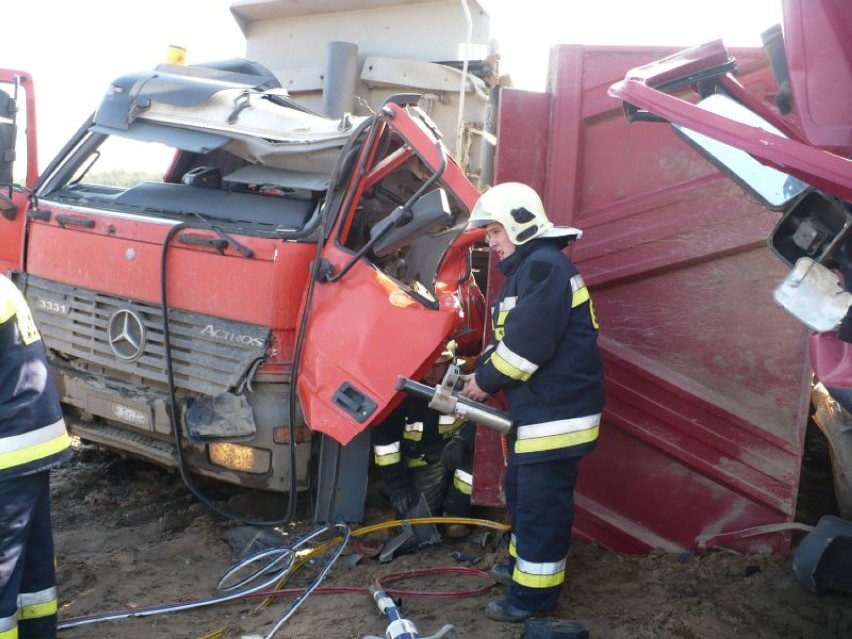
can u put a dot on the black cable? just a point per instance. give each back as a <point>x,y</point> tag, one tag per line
<point>345,156</point>
<point>321,227</point>
<point>176,418</point>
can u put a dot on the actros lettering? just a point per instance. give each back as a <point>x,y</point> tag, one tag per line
<point>229,336</point>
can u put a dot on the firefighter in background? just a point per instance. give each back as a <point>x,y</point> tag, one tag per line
<point>32,439</point>
<point>544,357</point>
<point>420,451</point>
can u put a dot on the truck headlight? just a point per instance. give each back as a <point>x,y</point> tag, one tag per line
<point>240,457</point>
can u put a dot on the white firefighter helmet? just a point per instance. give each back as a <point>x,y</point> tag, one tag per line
<point>519,209</point>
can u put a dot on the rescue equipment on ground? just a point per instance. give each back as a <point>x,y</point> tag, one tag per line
<point>412,536</point>
<point>401,628</point>
<point>282,563</point>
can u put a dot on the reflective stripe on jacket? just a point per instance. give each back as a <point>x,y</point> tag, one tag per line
<point>410,435</point>
<point>9,627</point>
<point>545,355</point>
<point>32,431</point>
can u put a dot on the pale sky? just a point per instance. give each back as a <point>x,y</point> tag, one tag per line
<point>75,49</point>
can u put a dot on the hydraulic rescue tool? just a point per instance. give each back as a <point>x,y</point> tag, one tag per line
<point>399,627</point>
<point>444,398</point>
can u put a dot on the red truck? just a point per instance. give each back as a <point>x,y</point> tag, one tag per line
<point>283,257</point>
<point>298,264</point>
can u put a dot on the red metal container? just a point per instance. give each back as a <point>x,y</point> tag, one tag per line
<point>707,380</point>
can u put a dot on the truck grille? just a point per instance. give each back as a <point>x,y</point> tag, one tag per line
<point>210,355</point>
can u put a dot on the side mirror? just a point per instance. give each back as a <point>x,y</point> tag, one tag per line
<point>769,186</point>
<point>815,227</point>
<point>8,209</point>
<point>403,226</point>
<point>7,151</point>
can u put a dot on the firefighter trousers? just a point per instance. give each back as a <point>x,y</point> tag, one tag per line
<point>28,605</point>
<point>442,493</point>
<point>540,502</point>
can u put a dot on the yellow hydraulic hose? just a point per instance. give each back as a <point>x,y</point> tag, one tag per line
<point>366,530</point>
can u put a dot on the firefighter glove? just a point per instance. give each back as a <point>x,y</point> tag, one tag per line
<point>402,500</point>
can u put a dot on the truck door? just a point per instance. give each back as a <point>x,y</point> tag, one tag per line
<point>18,163</point>
<point>390,290</point>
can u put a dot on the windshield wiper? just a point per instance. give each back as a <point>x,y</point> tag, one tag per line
<point>240,248</point>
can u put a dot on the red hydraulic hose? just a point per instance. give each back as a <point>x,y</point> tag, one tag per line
<point>425,594</point>
<point>327,590</point>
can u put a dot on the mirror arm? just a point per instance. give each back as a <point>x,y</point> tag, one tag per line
<point>839,238</point>
<point>442,165</point>
<point>635,114</point>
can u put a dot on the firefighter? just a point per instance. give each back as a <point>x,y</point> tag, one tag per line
<point>544,357</point>
<point>420,451</point>
<point>32,440</point>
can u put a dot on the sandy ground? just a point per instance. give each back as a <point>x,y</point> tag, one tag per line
<point>129,535</point>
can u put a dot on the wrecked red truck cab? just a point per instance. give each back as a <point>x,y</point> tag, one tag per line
<point>263,285</point>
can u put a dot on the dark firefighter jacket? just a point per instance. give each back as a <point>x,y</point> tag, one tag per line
<point>32,431</point>
<point>412,436</point>
<point>544,354</point>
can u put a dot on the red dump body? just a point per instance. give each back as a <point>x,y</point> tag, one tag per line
<point>707,380</point>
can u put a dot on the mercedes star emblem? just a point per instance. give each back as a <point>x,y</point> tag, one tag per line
<point>126,334</point>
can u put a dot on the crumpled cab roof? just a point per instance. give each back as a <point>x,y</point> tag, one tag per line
<point>237,104</point>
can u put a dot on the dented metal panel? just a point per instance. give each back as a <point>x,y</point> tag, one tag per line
<point>392,72</point>
<point>706,377</point>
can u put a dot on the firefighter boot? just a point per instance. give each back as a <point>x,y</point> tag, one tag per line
<point>502,610</point>
<point>502,573</point>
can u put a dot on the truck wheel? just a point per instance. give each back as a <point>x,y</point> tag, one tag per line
<point>836,424</point>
